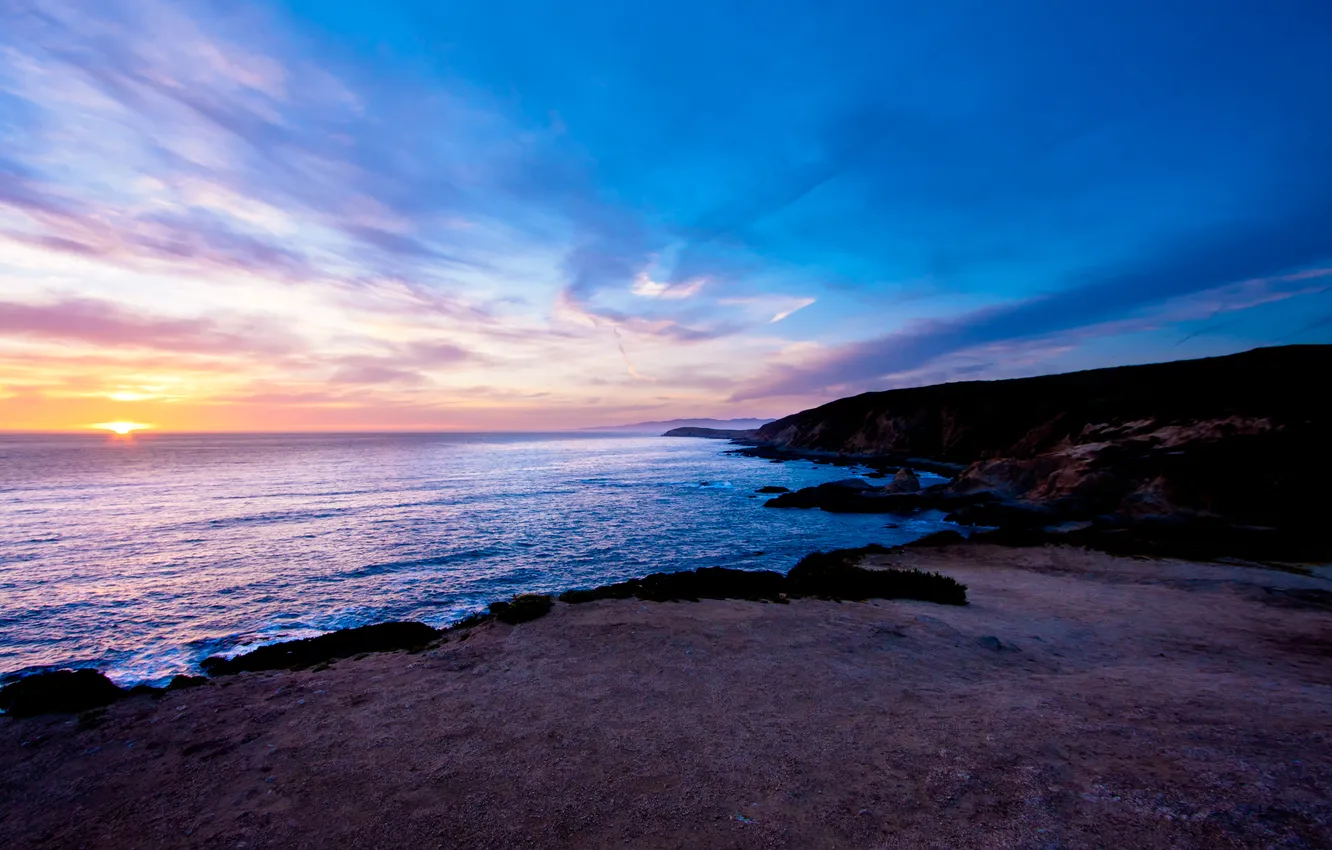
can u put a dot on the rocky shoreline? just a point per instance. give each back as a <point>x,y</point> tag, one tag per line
<point>834,575</point>
<point>1215,458</point>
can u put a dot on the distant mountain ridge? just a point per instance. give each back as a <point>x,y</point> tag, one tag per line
<point>670,424</point>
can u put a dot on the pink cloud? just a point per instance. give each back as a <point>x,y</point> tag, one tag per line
<point>109,325</point>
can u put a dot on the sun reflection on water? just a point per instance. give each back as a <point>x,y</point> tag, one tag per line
<point>122,429</point>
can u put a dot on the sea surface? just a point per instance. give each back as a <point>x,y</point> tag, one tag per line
<point>143,555</point>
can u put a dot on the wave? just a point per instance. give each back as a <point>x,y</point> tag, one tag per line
<point>435,561</point>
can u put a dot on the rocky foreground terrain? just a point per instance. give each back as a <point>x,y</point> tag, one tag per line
<point>1219,457</point>
<point>1078,700</point>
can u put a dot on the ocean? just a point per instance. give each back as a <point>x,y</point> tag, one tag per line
<point>140,556</point>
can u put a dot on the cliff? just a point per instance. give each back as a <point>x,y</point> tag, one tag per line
<point>1237,440</point>
<point>967,421</point>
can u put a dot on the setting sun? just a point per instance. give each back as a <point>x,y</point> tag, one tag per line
<point>121,428</point>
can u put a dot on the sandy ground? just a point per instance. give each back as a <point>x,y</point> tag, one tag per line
<point>1131,703</point>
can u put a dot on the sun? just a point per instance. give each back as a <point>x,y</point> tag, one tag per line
<point>121,428</point>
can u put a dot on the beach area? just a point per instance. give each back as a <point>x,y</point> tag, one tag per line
<point>1078,700</point>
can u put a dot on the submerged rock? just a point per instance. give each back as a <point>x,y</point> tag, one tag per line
<point>58,691</point>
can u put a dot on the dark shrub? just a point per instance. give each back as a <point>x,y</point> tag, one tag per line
<point>689,585</point>
<point>58,691</point>
<point>383,637</point>
<point>834,575</point>
<point>471,620</point>
<point>620,590</point>
<point>522,609</point>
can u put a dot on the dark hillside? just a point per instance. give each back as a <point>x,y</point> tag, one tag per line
<point>974,420</point>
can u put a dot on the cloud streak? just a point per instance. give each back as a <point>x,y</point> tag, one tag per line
<point>1248,249</point>
<point>109,326</point>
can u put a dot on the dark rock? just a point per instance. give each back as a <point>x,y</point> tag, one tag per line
<point>522,609</point>
<point>382,637</point>
<point>905,481</point>
<point>869,500</point>
<point>947,537</point>
<point>1006,513</point>
<point>1189,538</point>
<point>773,488</point>
<point>58,691</point>
<point>180,683</point>
<point>880,463</point>
<point>990,642</point>
<point>851,484</point>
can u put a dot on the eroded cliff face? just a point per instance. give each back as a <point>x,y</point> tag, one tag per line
<point>1239,438</point>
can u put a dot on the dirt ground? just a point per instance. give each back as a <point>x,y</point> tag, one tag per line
<point>1080,700</point>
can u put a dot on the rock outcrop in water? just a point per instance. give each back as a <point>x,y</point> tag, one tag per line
<point>1228,448</point>
<point>712,433</point>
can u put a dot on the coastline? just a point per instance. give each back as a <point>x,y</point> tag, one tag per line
<point>255,541</point>
<point>1079,698</point>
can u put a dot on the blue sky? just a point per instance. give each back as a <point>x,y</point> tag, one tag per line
<point>519,214</point>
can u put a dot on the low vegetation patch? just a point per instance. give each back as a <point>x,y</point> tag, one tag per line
<point>836,575</point>
<point>58,691</point>
<point>522,609</point>
<point>690,586</point>
<point>825,575</point>
<point>382,637</point>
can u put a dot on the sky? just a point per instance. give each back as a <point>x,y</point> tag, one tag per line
<point>401,214</point>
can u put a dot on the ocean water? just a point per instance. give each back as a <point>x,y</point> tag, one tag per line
<point>141,556</point>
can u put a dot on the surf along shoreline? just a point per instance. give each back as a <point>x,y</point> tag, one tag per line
<point>832,575</point>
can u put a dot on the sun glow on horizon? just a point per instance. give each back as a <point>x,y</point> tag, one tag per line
<point>121,428</point>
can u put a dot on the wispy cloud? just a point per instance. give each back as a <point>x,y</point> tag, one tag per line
<point>111,327</point>
<point>1263,248</point>
<point>646,287</point>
